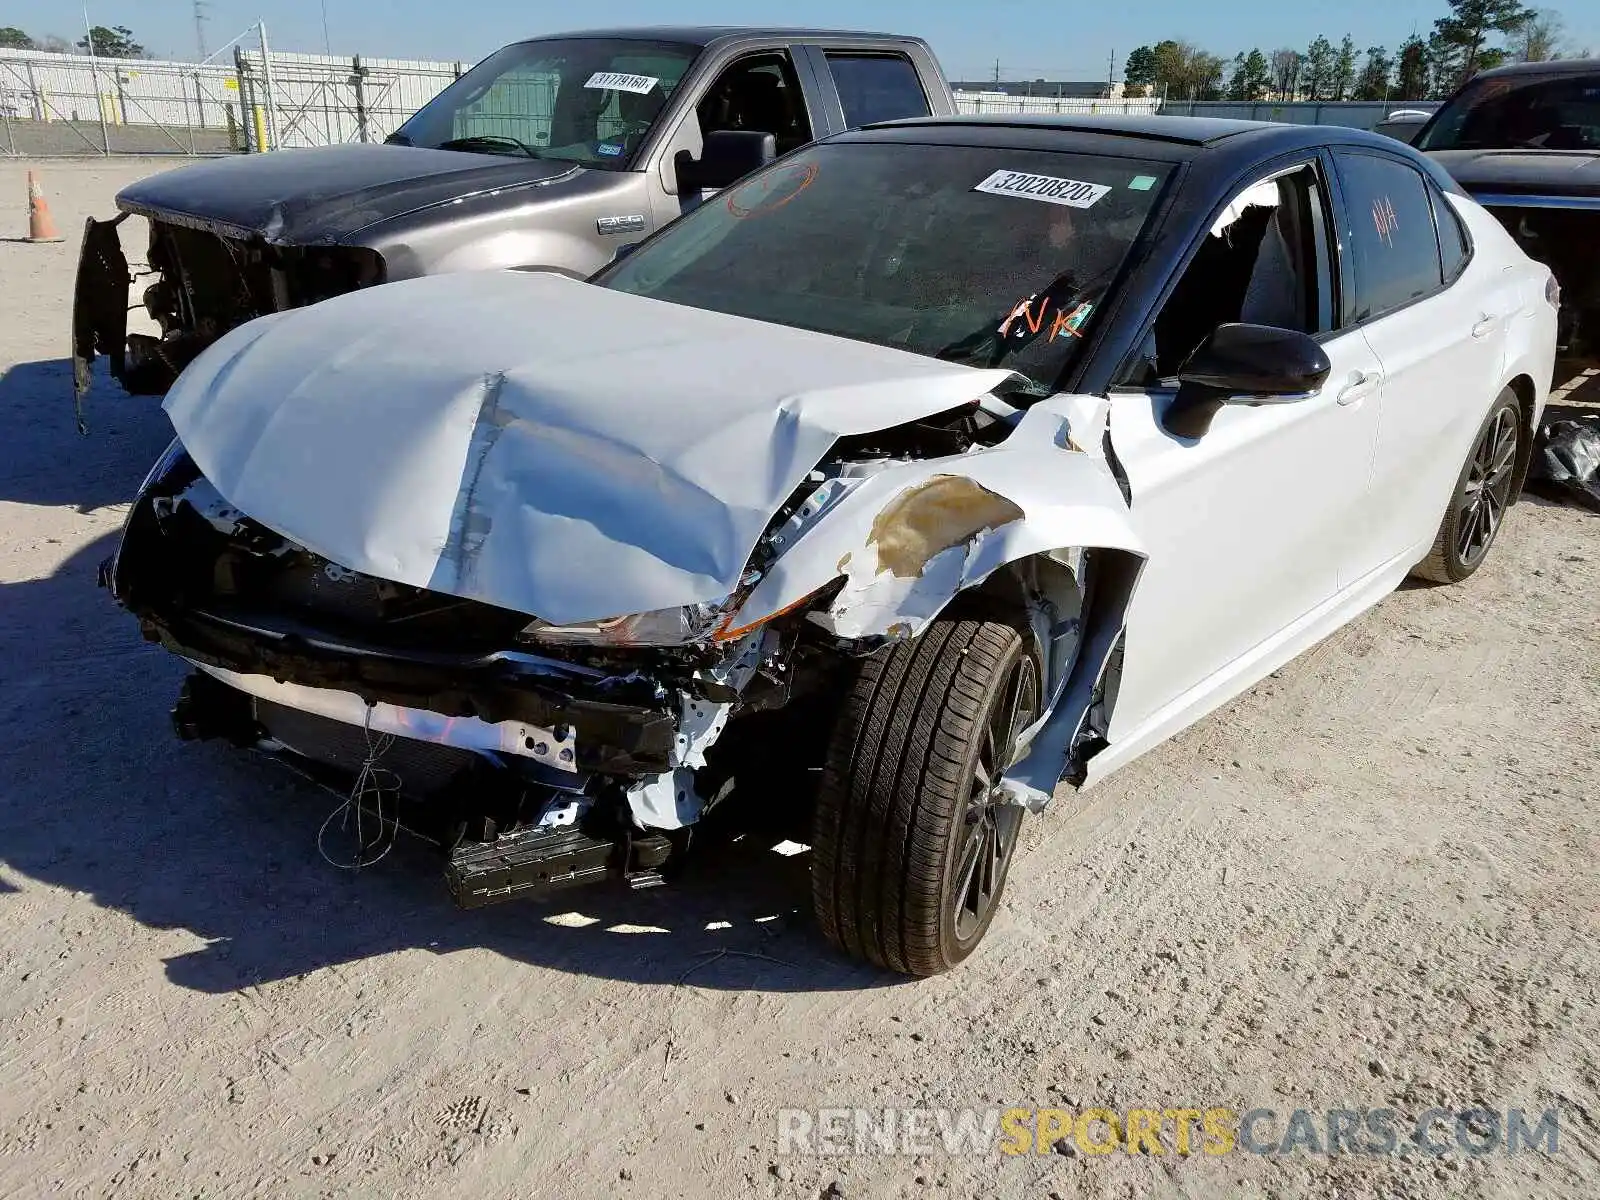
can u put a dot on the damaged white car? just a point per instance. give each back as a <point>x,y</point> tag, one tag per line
<point>1009,447</point>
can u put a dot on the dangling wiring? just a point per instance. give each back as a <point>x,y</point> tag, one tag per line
<point>371,784</point>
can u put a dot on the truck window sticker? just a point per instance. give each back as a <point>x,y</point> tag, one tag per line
<point>617,81</point>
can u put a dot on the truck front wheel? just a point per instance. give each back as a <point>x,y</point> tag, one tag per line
<point>912,839</point>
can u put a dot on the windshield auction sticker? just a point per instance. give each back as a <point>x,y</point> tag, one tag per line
<point>1069,192</point>
<point>616,82</point>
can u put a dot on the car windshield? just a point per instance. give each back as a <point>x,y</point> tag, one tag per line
<point>1531,112</point>
<point>583,100</point>
<point>979,255</point>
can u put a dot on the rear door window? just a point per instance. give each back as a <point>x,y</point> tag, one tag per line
<point>1455,244</point>
<point>1392,234</point>
<point>877,87</point>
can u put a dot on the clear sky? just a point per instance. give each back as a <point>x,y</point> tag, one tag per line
<point>1030,38</point>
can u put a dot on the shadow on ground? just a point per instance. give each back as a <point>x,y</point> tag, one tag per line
<point>49,464</point>
<point>98,796</point>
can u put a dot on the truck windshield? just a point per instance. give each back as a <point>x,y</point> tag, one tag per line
<point>978,255</point>
<point>583,100</point>
<point>1526,113</point>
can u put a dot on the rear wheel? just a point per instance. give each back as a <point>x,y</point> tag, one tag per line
<point>1482,496</point>
<point>912,839</point>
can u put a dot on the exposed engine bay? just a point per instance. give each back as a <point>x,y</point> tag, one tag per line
<point>474,572</point>
<point>539,756</point>
<point>201,282</point>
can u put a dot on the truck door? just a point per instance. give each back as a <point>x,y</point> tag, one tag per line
<point>758,90</point>
<point>861,86</point>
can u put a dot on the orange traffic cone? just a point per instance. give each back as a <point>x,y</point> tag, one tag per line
<point>41,225</point>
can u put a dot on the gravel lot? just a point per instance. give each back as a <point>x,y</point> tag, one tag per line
<point>1368,883</point>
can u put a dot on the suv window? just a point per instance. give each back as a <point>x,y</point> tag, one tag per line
<point>760,93</point>
<point>1266,261</point>
<point>877,87</point>
<point>1527,112</point>
<point>1392,235</point>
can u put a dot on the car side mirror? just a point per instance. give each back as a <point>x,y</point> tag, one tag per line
<point>625,250</point>
<point>727,156</point>
<point>1257,364</point>
<point>1245,364</point>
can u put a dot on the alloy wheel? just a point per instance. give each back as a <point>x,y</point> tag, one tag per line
<point>1487,491</point>
<point>991,820</point>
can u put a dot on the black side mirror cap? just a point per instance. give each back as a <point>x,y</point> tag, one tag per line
<point>1244,364</point>
<point>727,156</point>
<point>1254,364</point>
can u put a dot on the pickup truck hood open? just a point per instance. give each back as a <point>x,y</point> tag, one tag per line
<point>1523,172</point>
<point>316,196</point>
<point>536,443</point>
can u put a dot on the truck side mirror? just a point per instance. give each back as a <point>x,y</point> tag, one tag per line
<point>727,156</point>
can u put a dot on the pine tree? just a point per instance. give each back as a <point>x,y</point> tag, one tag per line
<point>1251,78</point>
<point>1344,69</point>
<point>1462,38</point>
<point>1412,82</point>
<point>1374,82</point>
<point>1319,69</point>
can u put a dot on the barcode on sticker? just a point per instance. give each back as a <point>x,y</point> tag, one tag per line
<point>617,82</point>
<point>1071,192</point>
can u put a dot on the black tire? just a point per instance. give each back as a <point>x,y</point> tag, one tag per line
<point>1483,494</point>
<point>903,817</point>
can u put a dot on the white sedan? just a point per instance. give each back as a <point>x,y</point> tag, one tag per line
<point>992,452</point>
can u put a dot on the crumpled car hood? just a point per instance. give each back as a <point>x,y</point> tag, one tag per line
<point>536,443</point>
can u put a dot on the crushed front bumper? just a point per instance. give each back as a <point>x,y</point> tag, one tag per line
<point>612,727</point>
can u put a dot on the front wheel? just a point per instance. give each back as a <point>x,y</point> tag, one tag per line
<point>912,838</point>
<point>1482,496</point>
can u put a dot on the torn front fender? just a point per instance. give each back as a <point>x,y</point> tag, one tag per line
<point>910,538</point>
<point>99,303</point>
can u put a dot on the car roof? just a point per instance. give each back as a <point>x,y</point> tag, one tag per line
<point>1185,131</point>
<point>1560,66</point>
<point>1171,139</point>
<point>705,35</point>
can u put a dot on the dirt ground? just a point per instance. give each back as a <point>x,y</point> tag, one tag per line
<point>1368,883</point>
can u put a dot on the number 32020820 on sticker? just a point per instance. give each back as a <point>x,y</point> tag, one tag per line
<point>1072,193</point>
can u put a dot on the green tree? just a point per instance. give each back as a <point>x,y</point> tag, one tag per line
<point>1286,66</point>
<point>1413,69</point>
<point>1462,38</point>
<point>1205,72</point>
<point>1140,69</point>
<point>1318,75</point>
<point>12,38</point>
<point>1375,81</point>
<point>1344,69</point>
<point>1251,78</point>
<point>1170,59</point>
<point>1540,38</point>
<point>116,42</point>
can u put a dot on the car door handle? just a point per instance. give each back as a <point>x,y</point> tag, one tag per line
<point>1360,387</point>
<point>1485,326</point>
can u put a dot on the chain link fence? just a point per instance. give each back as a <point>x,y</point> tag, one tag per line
<point>67,104</point>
